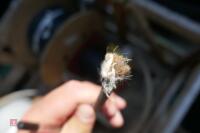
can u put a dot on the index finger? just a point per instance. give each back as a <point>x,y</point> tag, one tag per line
<point>56,107</point>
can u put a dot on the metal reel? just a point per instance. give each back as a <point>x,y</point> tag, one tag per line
<point>65,43</point>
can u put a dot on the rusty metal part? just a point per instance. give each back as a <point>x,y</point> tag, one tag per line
<point>66,41</point>
<point>14,25</point>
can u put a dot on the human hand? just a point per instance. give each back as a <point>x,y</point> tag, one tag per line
<point>69,107</point>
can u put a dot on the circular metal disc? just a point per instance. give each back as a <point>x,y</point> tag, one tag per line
<point>74,32</point>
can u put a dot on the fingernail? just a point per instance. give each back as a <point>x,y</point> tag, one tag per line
<point>86,113</point>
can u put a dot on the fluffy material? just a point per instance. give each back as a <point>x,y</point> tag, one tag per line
<point>114,68</point>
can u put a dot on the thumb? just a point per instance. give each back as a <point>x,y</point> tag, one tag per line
<point>82,121</point>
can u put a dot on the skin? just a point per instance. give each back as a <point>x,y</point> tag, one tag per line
<point>68,108</point>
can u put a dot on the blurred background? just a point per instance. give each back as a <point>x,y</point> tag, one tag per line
<point>46,43</point>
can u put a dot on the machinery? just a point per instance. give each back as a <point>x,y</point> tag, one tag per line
<point>46,43</point>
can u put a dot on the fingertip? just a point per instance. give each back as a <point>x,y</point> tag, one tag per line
<point>109,110</point>
<point>119,101</point>
<point>122,104</point>
<point>117,121</point>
